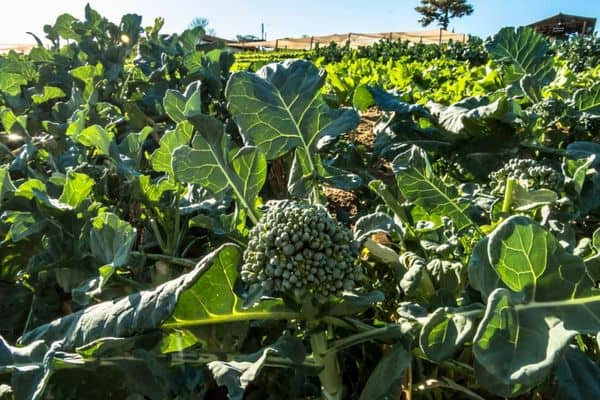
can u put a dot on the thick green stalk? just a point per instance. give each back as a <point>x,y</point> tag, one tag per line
<point>510,184</point>
<point>331,376</point>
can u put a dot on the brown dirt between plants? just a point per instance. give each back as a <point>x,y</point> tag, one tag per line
<point>363,134</point>
<point>339,199</point>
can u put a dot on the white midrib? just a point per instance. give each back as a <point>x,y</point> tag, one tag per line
<point>233,185</point>
<point>558,303</point>
<point>297,127</point>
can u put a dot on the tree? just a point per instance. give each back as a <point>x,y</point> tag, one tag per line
<point>442,11</point>
<point>203,23</point>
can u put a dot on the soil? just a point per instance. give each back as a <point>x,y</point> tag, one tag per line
<point>342,203</point>
<point>363,134</point>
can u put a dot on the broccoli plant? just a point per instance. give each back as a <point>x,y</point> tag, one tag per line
<point>299,250</point>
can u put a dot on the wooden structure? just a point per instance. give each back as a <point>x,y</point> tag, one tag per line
<point>18,47</point>
<point>353,39</point>
<point>563,25</point>
<point>213,39</point>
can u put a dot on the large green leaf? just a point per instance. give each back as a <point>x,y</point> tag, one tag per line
<point>77,188</point>
<point>447,329</point>
<point>31,366</point>
<point>163,306</point>
<point>135,314</point>
<point>522,51</point>
<point>419,185</point>
<point>393,203</point>
<point>22,224</point>
<point>6,185</point>
<point>548,299</point>
<point>213,300</point>
<point>181,105</point>
<point>531,88</point>
<point>577,376</point>
<point>385,381</point>
<point>63,27</point>
<point>161,159</point>
<point>471,116</point>
<point>280,108</point>
<point>111,240</point>
<point>593,261</point>
<point>132,144</point>
<point>10,83</point>
<point>96,137</point>
<point>482,275</point>
<point>588,99</point>
<point>236,374</point>
<point>212,163</point>
<point>88,74</point>
<point>523,199</point>
<point>13,123</point>
<point>48,93</point>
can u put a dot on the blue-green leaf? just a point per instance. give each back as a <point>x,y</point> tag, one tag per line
<point>210,162</point>
<point>548,299</point>
<point>520,52</point>
<point>111,240</point>
<point>418,184</point>
<point>386,379</point>
<point>577,376</point>
<point>447,329</point>
<point>280,109</point>
<point>209,298</point>
<point>22,224</point>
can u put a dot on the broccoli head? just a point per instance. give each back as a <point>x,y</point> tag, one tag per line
<point>299,249</point>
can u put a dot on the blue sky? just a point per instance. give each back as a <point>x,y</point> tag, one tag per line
<point>286,18</point>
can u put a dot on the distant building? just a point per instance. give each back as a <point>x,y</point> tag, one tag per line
<point>213,39</point>
<point>563,25</point>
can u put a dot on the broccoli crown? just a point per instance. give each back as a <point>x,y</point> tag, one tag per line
<point>529,173</point>
<point>589,122</point>
<point>550,109</point>
<point>301,250</point>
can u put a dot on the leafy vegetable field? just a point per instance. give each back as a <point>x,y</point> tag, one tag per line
<point>174,230</point>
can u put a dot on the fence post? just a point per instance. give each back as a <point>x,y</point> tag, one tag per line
<point>312,38</point>
<point>440,36</point>
<point>276,44</point>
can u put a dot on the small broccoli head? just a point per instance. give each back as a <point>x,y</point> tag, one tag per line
<point>531,174</point>
<point>299,249</point>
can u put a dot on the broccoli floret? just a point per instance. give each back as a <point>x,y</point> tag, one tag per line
<point>299,249</point>
<point>590,123</point>
<point>530,174</point>
<point>550,110</point>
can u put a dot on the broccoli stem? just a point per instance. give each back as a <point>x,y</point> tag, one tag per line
<point>331,375</point>
<point>510,184</point>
